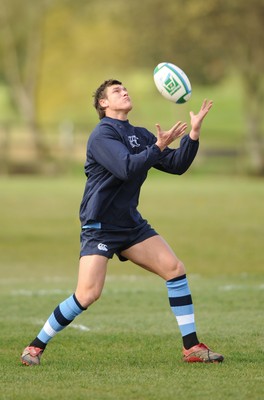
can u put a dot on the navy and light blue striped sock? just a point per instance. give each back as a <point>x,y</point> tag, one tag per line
<point>61,317</point>
<point>182,307</point>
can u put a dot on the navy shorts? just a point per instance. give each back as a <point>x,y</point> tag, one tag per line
<point>106,240</point>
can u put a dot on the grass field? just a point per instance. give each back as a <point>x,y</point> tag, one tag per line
<point>127,346</point>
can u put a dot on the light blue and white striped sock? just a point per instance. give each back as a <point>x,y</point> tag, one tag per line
<point>180,300</point>
<point>61,317</point>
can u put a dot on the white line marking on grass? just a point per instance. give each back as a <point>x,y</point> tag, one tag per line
<point>227,288</point>
<point>42,292</point>
<point>139,278</point>
<point>54,279</point>
<point>79,327</point>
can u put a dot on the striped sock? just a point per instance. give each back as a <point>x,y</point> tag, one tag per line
<point>182,307</point>
<point>61,317</point>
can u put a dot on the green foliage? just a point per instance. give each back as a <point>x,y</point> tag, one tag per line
<point>85,42</point>
<point>55,53</point>
<point>133,348</point>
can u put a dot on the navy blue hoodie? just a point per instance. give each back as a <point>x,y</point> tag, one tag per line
<point>119,157</point>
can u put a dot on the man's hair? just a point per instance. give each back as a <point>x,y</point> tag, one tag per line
<point>100,94</point>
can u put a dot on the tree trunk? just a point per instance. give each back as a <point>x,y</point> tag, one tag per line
<point>254,123</point>
<point>23,79</point>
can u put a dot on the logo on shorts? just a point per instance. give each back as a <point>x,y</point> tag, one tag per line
<point>102,246</point>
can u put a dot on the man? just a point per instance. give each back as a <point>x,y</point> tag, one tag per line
<point>119,157</point>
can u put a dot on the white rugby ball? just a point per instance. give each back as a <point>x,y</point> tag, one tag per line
<point>172,83</point>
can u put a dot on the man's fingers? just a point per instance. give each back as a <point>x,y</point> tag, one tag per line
<point>183,126</point>
<point>205,107</point>
<point>158,128</point>
<point>176,126</point>
<point>207,104</point>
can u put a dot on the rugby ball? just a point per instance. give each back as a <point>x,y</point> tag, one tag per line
<point>172,83</point>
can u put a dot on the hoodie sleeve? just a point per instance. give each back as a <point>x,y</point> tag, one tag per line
<point>107,149</point>
<point>177,161</point>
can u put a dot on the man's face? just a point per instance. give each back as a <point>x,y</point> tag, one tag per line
<point>116,99</point>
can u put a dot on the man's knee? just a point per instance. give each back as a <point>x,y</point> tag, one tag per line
<point>174,269</point>
<point>180,268</point>
<point>86,298</point>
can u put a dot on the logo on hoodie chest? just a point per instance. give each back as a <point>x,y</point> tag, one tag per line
<point>133,141</point>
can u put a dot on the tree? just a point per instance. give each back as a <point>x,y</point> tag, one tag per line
<point>211,38</point>
<point>22,31</point>
<point>234,31</point>
<point>247,43</point>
